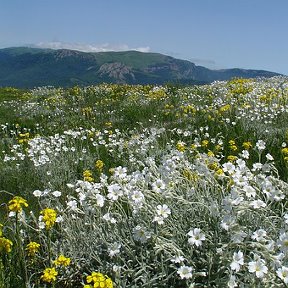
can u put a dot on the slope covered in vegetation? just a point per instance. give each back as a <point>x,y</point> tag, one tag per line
<point>145,186</point>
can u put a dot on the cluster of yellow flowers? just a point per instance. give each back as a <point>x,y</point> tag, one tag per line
<point>98,279</point>
<point>87,176</point>
<point>17,203</point>
<point>62,261</point>
<point>32,248</point>
<point>50,274</point>
<point>99,164</point>
<point>232,145</point>
<point>247,145</point>
<point>180,146</point>
<point>87,111</point>
<point>23,138</point>
<point>224,108</point>
<point>285,153</point>
<point>49,217</point>
<point>5,245</point>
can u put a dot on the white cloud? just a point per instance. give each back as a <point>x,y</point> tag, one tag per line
<point>89,47</point>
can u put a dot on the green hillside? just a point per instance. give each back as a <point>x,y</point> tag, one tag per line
<point>25,67</point>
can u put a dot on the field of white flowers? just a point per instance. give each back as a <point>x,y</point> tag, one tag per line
<point>145,186</point>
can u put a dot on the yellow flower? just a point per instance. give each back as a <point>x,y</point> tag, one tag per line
<point>16,204</point>
<point>210,153</point>
<point>99,165</point>
<point>232,145</point>
<point>32,248</point>
<point>62,260</point>
<point>204,143</point>
<point>1,232</point>
<point>247,145</point>
<point>180,146</point>
<point>99,280</point>
<point>224,108</point>
<point>24,138</point>
<point>213,166</point>
<point>108,124</point>
<point>5,245</point>
<point>49,217</point>
<point>232,158</point>
<point>218,148</point>
<point>87,175</point>
<point>193,146</point>
<point>49,275</point>
<point>285,151</point>
<point>219,172</point>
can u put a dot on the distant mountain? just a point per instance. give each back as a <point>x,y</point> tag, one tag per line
<point>25,67</point>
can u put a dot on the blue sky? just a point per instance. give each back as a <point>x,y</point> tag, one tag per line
<point>212,33</point>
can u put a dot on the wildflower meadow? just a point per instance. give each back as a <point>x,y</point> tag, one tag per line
<point>145,186</point>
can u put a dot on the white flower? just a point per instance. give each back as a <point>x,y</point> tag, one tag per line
<point>72,204</point>
<point>56,193</point>
<point>245,154</point>
<point>269,157</point>
<point>59,219</point>
<point>241,164</point>
<point>141,234</point>
<point>120,172</point>
<point>282,273</point>
<point>227,222</point>
<point>115,192</point>
<point>238,237</point>
<point>137,196</point>
<point>41,224</point>
<point>257,166</point>
<point>159,220</point>
<point>258,267</point>
<point>82,197</point>
<point>100,200</point>
<point>232,282</point>
<point>116,268</point>
<point>283,242</point>
<point>114,249</point>
<point>178,259</point>
<point>163,211</point>
<point>249,191</point>
<point>11,214</point>
<point>238,261</point>
<point>196,237</point>
<point>259,235</point>
<point>185,272</point>
<point>158,186</point>
<point>46,192</point>
<point>286,218</point>
<point>229,167</point>
<point>107,217</point>
<point>256,204</point>
<point>260,145</point>
<point>37,193</point>
<point>270,246</point>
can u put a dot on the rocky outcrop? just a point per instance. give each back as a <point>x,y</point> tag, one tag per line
<point>117,71</point>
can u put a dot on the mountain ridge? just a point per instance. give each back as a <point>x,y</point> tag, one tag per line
<point>26,67</point>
